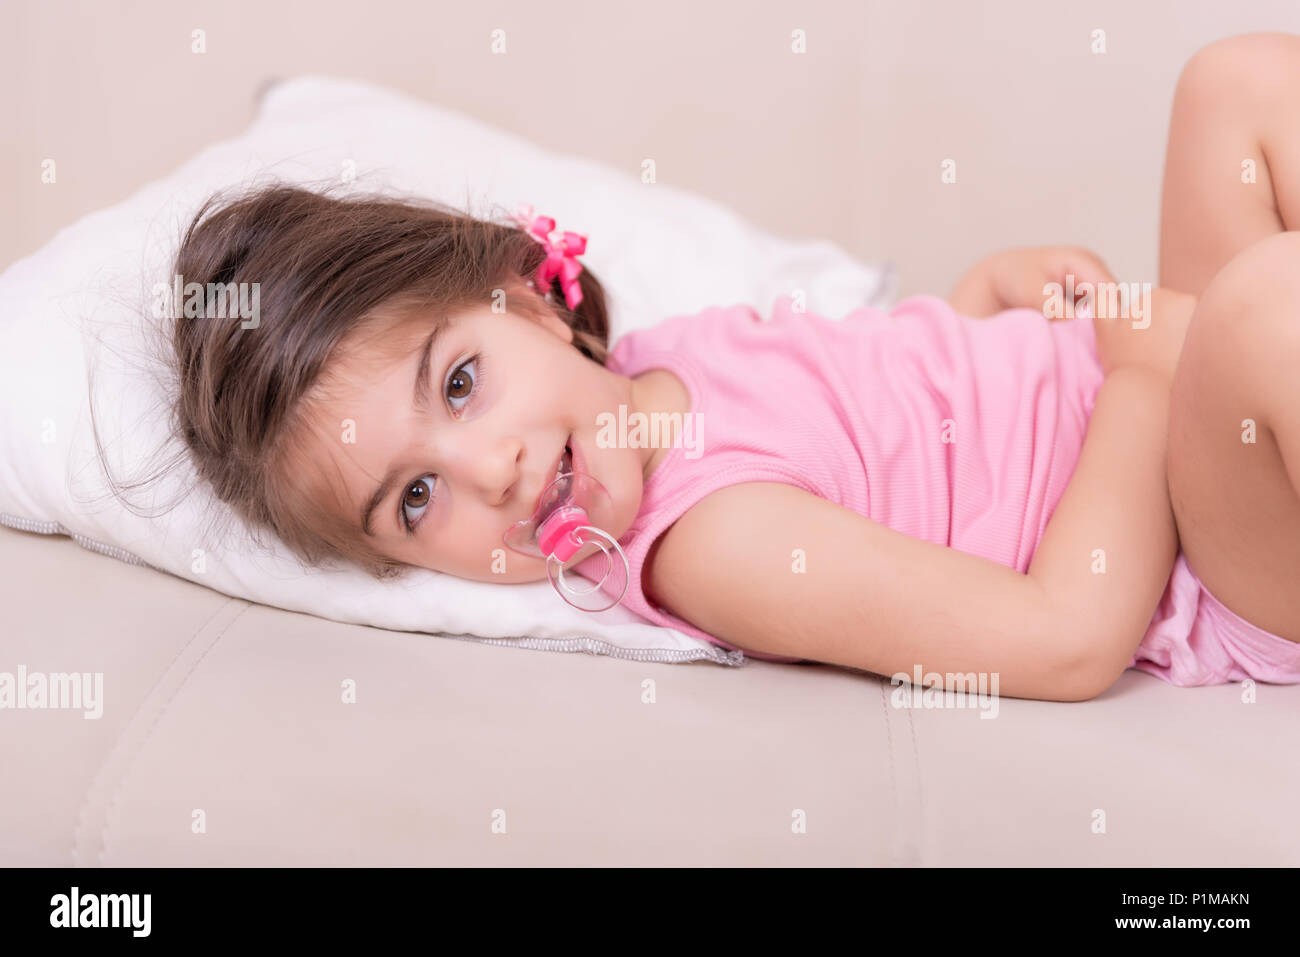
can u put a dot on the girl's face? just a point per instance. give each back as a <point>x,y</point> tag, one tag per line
<point>454,440</point>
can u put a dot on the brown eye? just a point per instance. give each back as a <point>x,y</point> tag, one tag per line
<point>417,496</point>
<point>461,383</point>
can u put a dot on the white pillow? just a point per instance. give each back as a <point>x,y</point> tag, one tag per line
<point>86,299</point>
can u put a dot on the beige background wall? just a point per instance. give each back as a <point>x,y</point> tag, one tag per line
<point>1053,143</point>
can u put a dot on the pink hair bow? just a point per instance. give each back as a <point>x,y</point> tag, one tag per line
<point>560,261</point>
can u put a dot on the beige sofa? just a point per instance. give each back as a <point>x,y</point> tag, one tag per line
<point>235,710</point>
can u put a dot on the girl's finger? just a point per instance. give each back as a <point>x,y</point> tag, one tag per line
<point>1086,267</point>
<point>1083,271</point>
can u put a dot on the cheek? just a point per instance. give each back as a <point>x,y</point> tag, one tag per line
<point>475,551</point>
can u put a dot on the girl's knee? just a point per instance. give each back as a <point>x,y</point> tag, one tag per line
<point>1259,289</point>
<point>1236,69</point>
<point>1248,318</point>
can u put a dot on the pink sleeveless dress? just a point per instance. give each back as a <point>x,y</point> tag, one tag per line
<point>866,411</point>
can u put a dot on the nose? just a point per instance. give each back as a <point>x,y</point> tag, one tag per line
<point>493,467</point>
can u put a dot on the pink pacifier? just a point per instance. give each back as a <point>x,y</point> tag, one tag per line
<point>564,530</point>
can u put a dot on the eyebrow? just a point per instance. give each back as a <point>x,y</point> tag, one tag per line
<point>420,399</point>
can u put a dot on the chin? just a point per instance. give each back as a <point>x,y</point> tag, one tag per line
<point>513,575</point>
<point>520,570</point>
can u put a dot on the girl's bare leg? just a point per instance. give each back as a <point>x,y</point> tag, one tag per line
<point>1234,432</point>
<point>1236,116</point>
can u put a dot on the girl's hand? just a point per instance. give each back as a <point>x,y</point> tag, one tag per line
<point>1148,334</point>
<point>1015,278</point>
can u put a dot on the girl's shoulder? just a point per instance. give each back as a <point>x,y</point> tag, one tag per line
<point>721,330</point>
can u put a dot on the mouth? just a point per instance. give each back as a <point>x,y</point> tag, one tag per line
<point>562,465</point>
<point>565,464</point>
<point>576,462</point>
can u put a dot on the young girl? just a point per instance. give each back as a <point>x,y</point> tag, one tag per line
<point>921,488</point>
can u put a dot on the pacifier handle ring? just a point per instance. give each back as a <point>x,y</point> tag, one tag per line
<point>627,572</point>
<point>594,586</point>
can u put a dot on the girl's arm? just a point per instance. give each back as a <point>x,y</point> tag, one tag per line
<point>1015,278</point>
<point>1110,545</point>
<point>876,599</point>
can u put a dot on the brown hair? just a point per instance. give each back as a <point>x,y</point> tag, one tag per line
<point>330,272</point>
